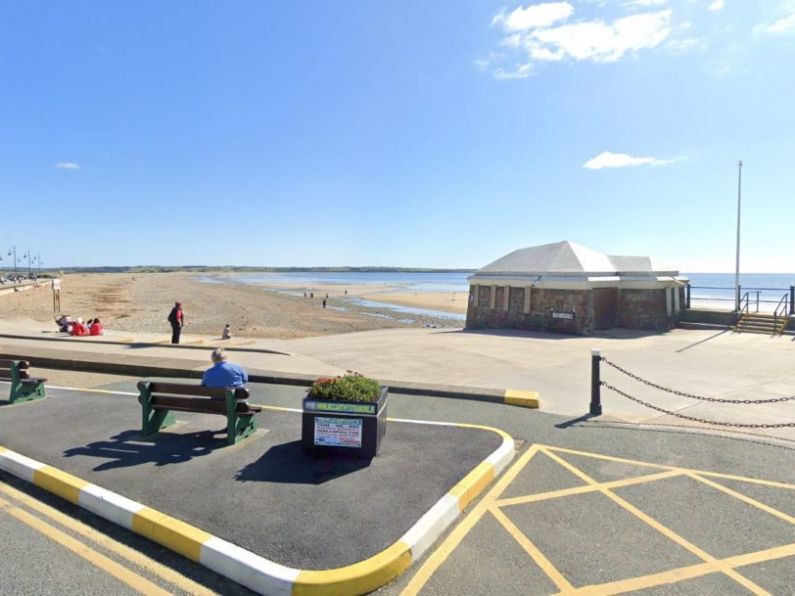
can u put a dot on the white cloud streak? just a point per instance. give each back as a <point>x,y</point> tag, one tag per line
<point>783,25</point>
<point>717,5</point>
<point>608,159</point>
<point>67,165</point>
<point>534,16</point>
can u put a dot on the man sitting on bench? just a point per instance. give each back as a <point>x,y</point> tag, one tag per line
<point>223,374</point>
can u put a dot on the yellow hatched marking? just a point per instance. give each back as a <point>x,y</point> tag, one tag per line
<point>136,558</point>
<point>455,537</point>
<point>670,534</point>
<point>588,488</point>
<point>135,581</point>
<point>635,462</point>
<point>742,497</point>
<point>545,564</point>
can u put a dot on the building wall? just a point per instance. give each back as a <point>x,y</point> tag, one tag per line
<point>543,303</point>
<point>637,309</point>
<point>644,309</point>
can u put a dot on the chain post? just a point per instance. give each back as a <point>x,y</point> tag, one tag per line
<point>596,383</point>
<point>791,300</point>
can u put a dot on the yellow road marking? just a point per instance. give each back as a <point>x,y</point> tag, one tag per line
<point>136,558</point>
<point>742,497</point>
<point>710,564</point>
<point>545,564</point>
<point>135,581</point>
<point>667,532</point>
<point>588,488</point>
<point>455,537</point>
<point>634,462</point>
<point>59,483</point>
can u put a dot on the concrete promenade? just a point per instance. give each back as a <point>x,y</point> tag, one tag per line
<point>606,504</point>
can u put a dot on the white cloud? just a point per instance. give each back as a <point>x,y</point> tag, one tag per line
<point>783,25</point>
<point>519,72</point>
<point>607,159</point>
<point>533,16</point>
<point>599,41</point>
<point>717,5</point>
<point>67,165</point>
<point>645,2</point>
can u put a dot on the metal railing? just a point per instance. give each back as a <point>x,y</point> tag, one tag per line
<point>782,308</point>
<point>759,297</point>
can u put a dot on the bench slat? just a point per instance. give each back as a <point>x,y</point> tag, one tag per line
<point>182,389</point>
<point>4,363</point>
<point>189,403</point>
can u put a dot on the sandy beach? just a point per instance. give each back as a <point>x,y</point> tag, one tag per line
<point>139,302</point>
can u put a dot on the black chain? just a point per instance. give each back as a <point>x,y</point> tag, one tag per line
<point>773,400</point>
<point>693,418</point>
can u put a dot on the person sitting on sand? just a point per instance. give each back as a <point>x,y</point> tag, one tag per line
<point>64,323</point>
<point>96,328</point>
<point>227,332</point>
<point>222,373</point>
<point>79,328</point>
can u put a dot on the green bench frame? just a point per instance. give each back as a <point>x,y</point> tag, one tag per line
<point>159,401</point>
<point>23,386</point>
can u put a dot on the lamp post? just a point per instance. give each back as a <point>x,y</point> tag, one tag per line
<point>27,254</point>
<point>737,260</point>
<point>13,251</point>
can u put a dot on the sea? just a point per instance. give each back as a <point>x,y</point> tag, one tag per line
<point>707,289</point>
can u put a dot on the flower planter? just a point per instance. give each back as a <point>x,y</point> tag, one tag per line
<point>344,427</point>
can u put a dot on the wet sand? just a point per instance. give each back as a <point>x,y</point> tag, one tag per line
<point>141,302</point>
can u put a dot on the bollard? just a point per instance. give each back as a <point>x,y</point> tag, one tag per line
<point>791,300</point>
<point>687,295</point>
<point>596,383</point>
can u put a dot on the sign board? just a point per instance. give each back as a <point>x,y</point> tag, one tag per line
<point>340,407</point>
<point>56,283</point>
<point>563,315</point>
<point>338,432</point>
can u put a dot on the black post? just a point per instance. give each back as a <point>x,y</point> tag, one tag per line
<point>687,295</point>
<point>596,383</point>
<point>791,300</point>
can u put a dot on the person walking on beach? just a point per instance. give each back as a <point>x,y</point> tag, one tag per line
<point>324,303</point>
<point>177,319</point>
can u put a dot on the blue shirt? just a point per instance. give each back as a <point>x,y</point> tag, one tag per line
<point>225,374</point>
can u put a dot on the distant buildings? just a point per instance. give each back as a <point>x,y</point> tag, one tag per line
<point>567,288</point>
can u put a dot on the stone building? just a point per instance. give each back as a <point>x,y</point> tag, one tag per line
<point>567,288</point>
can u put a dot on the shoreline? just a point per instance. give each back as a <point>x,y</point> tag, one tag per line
<point>140,303</point>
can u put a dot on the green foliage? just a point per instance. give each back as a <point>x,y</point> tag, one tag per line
<point>351,387</point>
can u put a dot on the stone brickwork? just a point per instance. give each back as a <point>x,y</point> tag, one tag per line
<point>542,304</point>
<point>636,309</point>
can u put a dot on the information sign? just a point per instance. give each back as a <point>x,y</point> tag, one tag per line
<point>338,432</point>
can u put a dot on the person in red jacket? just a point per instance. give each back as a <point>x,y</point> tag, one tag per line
<point>96,328</point>
<point>79,328</point>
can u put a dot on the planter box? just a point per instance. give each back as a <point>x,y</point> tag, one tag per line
<point>344,427</point>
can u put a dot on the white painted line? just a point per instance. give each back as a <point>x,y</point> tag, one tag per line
<point>91,390</point>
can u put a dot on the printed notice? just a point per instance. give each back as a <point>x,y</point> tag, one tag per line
<point>338,432</point>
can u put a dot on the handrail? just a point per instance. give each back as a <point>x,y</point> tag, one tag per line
<point>783,306</point>
<point>747,299</point>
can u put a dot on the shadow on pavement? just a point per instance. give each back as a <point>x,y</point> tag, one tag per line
<point>288,463</point>
<point>574,421</point>
<point>130,448</point>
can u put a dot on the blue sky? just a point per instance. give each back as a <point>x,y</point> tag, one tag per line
<point>410,133</point>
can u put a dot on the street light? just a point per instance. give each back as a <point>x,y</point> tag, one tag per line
<point>737,261</point>
<point>14,252</point>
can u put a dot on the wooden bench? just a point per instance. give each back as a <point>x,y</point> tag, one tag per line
<point>23,386</point>
<point>160,400</point>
